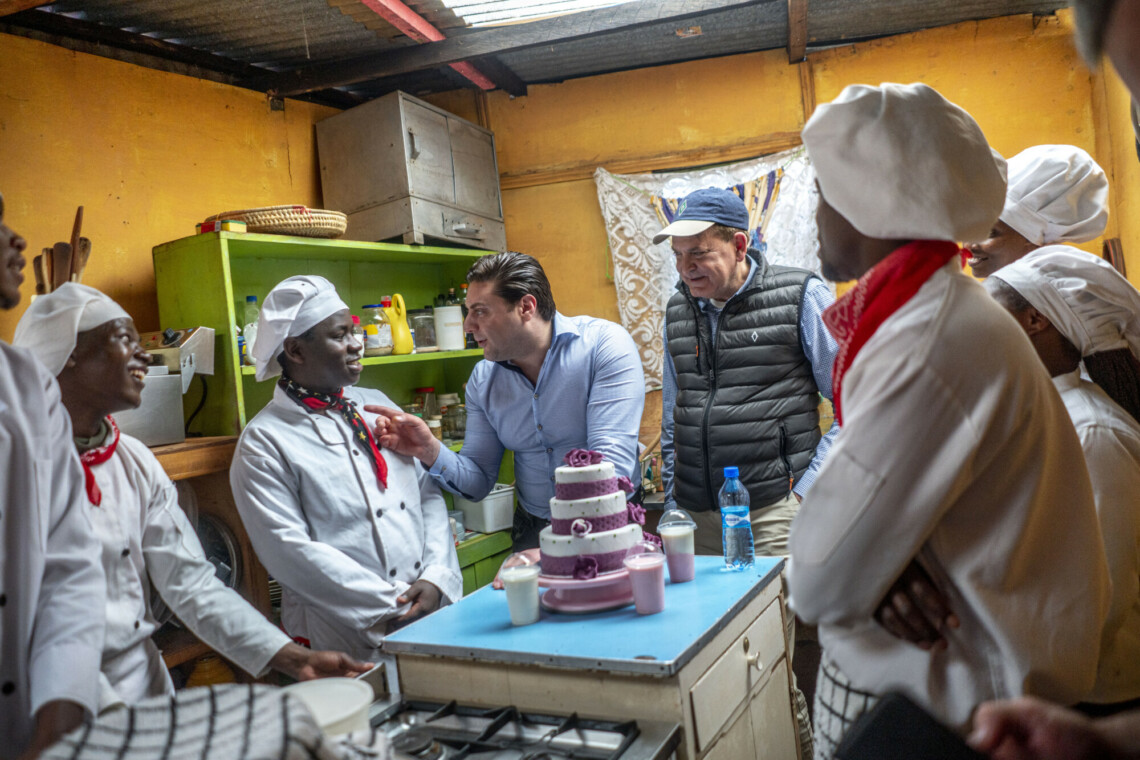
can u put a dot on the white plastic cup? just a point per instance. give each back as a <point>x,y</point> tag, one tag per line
<point>680,548</point>
<point>521,585</point>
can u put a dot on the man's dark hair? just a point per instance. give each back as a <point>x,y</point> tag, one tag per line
<point>515,275</point>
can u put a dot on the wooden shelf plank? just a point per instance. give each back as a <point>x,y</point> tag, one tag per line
<point>403,358</point>
<point>257,245</point>
<point>196,456</point>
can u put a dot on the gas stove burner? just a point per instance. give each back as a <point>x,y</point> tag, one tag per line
<point>419,744</point>
<point>423,730</point>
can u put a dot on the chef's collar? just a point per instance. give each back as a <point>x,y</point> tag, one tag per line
<point>95,441</point>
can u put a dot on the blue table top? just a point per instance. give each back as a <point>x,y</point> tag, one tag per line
<point>478,626</point>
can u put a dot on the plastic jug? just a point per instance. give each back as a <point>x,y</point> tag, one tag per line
<point>401,333</point>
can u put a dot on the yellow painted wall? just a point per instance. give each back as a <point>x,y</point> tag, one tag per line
<point>1020,77</point>
<point>150,153</point>
<point>147,154</point>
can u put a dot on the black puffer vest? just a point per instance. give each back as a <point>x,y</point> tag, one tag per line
<point>750,403</point>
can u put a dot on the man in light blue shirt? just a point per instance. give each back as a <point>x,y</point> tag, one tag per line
<point>548,384</point>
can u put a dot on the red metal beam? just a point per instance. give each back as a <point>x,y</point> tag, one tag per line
<point>419,29</point>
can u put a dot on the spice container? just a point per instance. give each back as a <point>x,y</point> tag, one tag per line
<point>436,427</point>
<point>422,323</point>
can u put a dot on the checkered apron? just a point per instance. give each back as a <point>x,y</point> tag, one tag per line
<point>837,705</point>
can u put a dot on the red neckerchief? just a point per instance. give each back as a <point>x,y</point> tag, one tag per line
<point>316,401</point>
<point>878,294</point>
<point>95,456</point>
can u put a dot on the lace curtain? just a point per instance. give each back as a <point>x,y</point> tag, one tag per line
<point>779,191</point>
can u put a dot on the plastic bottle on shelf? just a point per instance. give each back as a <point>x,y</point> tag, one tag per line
<point>396,313</point>
<point>468,338</point>
<point>426,397</point>
<point>357,330</point>
<point>736,527</point>
<point>249,316</point>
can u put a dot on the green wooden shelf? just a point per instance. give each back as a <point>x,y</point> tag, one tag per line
<point>247,244</point>
<point>402,358</point>
<point>204,280</point>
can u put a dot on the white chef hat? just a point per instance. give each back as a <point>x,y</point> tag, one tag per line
<point>51,325</point>
<point>899,161</point>
<point>292,307</point>
<point>1087,300</point>
<point>1056,194</point>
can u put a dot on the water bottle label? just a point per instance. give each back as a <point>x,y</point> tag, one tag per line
<point>730,520</point>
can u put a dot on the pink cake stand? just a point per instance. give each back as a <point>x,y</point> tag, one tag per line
<point>608,591</point>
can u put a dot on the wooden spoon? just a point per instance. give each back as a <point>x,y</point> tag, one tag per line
<point>38,269</point>
<point>60,264</point>
<point>79,259</point>
<point>49,269</point>
<point>75,229</point>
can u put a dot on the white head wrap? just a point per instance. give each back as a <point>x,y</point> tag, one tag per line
<point>1087,300</point>
<point>51,325</point>
<point>902,162</point>
<point>292,307</point>
<point>1056,194</point>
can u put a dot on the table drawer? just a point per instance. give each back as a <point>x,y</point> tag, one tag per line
<point>736,674</point>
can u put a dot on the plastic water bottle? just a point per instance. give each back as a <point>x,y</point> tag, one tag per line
<point>736,527</point>
<point>249,323</point>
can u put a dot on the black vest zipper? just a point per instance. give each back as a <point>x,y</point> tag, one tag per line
<point>784,455</point>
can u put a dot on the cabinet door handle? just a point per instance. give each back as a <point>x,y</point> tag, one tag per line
<point>413,149</point>
<point>466,229</point>
<point>754,660</point>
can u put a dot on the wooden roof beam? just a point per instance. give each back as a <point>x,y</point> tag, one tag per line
<point>420,29</point>
<point>8,7</point>
<point>797,30</point>
<point>497,41</point>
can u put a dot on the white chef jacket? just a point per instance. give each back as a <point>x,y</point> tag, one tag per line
<point>1110,438</point>
<point>148,543</point>
<point>50,577</point>
<point>341,547</point>
<point>956,449</point>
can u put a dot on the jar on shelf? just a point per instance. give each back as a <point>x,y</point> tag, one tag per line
<point>435,425</point>
<point>422,322</point>
<point>377,331</point>
<point>457,421</point>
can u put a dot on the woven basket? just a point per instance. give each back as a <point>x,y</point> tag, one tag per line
<point>290,220</point>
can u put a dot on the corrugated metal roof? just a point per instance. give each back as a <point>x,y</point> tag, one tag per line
<point>292,35</point>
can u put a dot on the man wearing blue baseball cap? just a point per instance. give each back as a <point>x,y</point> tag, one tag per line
<point>747,358</point>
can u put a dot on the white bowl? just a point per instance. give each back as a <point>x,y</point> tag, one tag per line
<point>339,705</point>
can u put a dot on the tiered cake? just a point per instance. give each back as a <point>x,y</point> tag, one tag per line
<point>591,529</point>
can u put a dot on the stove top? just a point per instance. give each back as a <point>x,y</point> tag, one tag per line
<point>437,731</point>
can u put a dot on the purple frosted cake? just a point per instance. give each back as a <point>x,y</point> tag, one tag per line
<point>591,526</point>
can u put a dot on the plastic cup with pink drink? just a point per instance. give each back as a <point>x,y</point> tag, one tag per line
<point>676,529</point>
<point>646,567</point>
